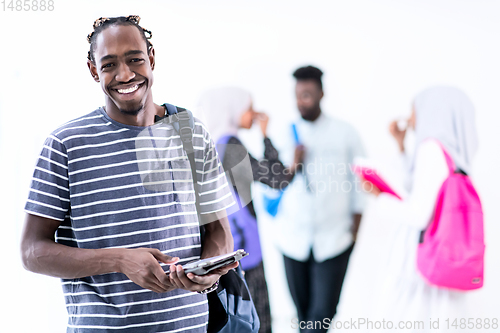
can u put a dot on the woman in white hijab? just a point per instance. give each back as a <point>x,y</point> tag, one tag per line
<point>225,111</point>
<point>440,115</point>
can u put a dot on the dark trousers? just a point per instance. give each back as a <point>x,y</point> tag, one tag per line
<point>315,288</point>
<point>257,286</point>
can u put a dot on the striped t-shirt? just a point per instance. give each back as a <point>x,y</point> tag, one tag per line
<point>118,186</point>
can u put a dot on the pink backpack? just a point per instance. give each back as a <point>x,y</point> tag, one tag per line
<point>451,249</point>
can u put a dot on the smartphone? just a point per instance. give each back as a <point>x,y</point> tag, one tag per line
<point>204,266</point>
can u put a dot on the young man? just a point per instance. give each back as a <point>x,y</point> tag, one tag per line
<point>117,192</point>
<point>322,207</point>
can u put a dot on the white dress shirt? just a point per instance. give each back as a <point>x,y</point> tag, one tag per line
<point>320,218</point>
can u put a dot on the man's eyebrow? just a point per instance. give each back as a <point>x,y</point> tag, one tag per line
<point>109,56</point>
<point>132,52</point>
<point>128,53</point>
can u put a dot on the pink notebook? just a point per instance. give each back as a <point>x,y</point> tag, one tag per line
<point>372,176</point>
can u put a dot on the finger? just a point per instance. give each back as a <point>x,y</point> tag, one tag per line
<point>225,269</point>
<point>204,281</point>
<point>187,283</point>
<point>153,280</point>
<point>147,284</point>
<point>173,277</point>
<point>162,280</point>
<point>179,278</point>
<point>154,286</point>
<point>160,256</point>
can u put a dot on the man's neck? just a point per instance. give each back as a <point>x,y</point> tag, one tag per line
<point>144,118</point>
<point>316,116</point>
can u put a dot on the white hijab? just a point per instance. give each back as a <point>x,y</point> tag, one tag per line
<point>222,109</point>
<point>447,114</point>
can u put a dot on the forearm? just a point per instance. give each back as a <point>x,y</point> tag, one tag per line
<point>50,258</point>
<point>41,254</point>
<point>218,239</point>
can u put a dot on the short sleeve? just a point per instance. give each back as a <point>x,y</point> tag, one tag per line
<point>214,192</point>
<point>49,189</point>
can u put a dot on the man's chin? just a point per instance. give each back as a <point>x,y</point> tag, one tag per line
<point>132,111</point>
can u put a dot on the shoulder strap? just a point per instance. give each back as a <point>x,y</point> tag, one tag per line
<point>449,160</point>
<point>183,122</point>
<point>221,146</point>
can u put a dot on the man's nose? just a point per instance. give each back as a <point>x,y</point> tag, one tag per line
<point>124,73</point>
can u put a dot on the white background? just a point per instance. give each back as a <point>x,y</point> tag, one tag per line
<point>376,55</point>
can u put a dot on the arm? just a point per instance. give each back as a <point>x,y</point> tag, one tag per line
<point>271,171</point>
<point>218,240</point>
<point>214,198</point>
<point>41,254</point>
<point>429,174</point>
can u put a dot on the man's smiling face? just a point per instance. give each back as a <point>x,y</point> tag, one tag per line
<point>123,67</point>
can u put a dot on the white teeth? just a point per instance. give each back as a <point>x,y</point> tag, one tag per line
<point>129,90</point>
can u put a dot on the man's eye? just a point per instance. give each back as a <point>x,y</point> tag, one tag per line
<point>107,65</point>
<point>137,60</point>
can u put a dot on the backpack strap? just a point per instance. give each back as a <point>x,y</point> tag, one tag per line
<point>221,146</point>
<point>183,122</point>
<point>449,160</point>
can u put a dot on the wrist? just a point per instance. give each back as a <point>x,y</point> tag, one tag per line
<point>116,257</point>
<point>401,147</point>
<point>210,289</point>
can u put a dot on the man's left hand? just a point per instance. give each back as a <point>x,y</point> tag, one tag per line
<point>194,282</point>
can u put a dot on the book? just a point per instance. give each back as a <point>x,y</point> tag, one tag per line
<point>373,175</point>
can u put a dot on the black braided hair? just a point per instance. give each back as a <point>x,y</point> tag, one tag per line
<point>102,23</point>
<point>309,73</point>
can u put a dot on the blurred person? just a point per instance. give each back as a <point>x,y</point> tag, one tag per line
<point>440,115</point>
<point>227,110</point>
<point>321,210</point>
<point>93,221</point>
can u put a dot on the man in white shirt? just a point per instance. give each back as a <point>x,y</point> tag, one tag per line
<point>321,209</point>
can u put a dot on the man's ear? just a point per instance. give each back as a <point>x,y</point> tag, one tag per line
<point>93,70</point>
<point>151,56</point>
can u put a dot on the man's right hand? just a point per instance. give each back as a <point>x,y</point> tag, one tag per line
<point>299,155</point>
<point>142,267</point>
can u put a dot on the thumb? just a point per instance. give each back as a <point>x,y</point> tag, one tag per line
<point>163,257</point>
